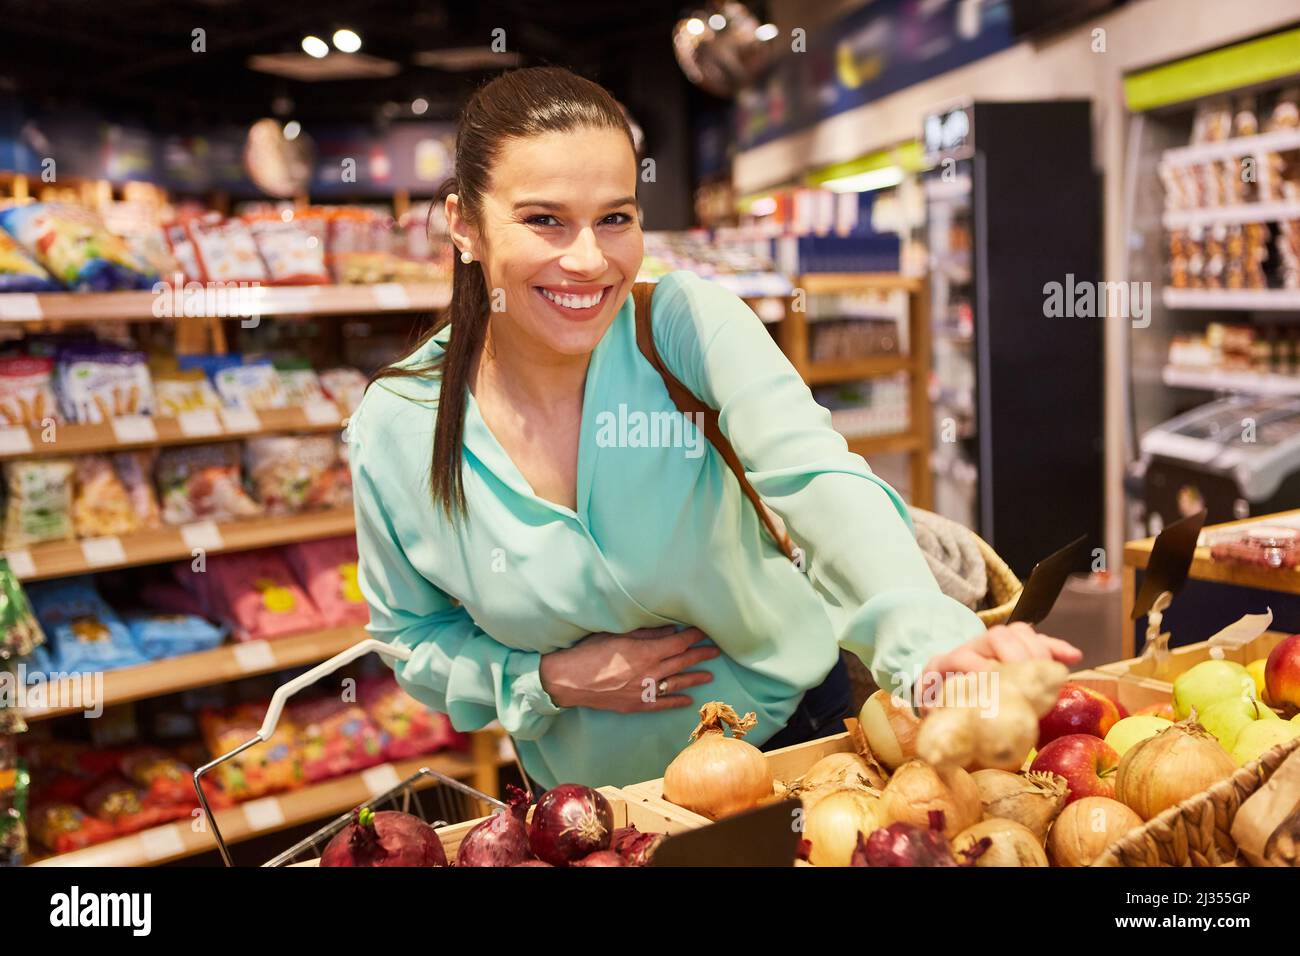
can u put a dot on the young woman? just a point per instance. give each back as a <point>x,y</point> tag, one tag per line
<point>580,581</point>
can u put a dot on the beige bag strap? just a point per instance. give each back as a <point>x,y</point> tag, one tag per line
<point>687,403</point>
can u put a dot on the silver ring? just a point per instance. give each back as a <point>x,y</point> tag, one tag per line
<point>663,686</point>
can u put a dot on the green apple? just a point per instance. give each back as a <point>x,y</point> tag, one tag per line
<point>1228,717</point>
<point>1208,682</point>
<point>1261,735</point>
<point>1133,730</point>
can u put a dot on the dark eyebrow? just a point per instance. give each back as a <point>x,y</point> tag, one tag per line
<point>548,204</point>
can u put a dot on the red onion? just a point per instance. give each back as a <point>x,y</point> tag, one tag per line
<point>636,848</point>
<point>569,822</point>
<point>600,858</point>
<point>386,838</point>
<point>501,839</point>
<point>906,844</point>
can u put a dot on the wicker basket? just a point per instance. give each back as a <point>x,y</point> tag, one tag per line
<point>1197,832</point>
<point>1004,586</point>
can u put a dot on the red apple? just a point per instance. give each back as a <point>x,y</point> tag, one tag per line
<point>1282,673</point>
<point>1165,710</point>
<point>1087,763</point>
<point>1078,710</point>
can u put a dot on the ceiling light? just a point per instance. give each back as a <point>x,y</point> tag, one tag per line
<point>767,31</point>
<point>717,21</point>
<point>695,26</point>
<point>292,129</point>
<point>419,106</point>
<point>315,46</point>
<point>346,41</point>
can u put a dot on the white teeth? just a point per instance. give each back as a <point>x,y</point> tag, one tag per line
<point>569,301</point>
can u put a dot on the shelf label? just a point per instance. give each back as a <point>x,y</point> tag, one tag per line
<point>263,814</point>
<point>381,779</point>
<point>200,421</point>
<point>241,420</point>
<point>204,535</point>
<point>20,307</point>
<point>391,295</point>
<point>134,429</point>
<point>15,441</point>
<point>322,413</point>
<point>160,843</point>
<point>21,563</point>
<point>99,552</point>
<point>254,657</point>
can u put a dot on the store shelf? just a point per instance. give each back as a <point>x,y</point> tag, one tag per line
<point>227,663</point>
<point>1246,299</point>
<point>62,558</point>
<point>849,370</point>
<point>61,308</point>
<point>889,444</point>
<point>1277,141</point>
<point>1231,215</point>
<point>174,841</point>
<point>1248,383</point>
<point>140,431</point>
<point>854,283</point>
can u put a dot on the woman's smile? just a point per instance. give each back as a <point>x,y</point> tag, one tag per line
<point>574,303</point>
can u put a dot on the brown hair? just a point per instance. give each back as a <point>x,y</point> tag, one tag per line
<point>517,104</point>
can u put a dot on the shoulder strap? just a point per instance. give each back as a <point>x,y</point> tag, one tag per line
<point>687,403</point>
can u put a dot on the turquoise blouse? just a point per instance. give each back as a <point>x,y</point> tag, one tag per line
<point>661,535</point>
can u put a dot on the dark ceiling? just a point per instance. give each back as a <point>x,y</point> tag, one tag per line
<point>134,57</point>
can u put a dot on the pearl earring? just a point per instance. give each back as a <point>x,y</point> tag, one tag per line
<point>466,257</point>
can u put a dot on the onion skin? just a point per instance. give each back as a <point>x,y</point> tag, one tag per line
<point>386,838</point>
<point>1004,738</point>
<point>890,728</point>
<point>1177,763</point>
<point>833,826</point>
<point>570,822</point>
<point>916,789</point>
<point>1012,844</point>
<point>837,771</point>
<point>600,858</point>
<point>636,848</point>
<point>1086,828</point>
<point>501,839</point>
<point>535,863</point>
<point>717,775</point>
<point>1033,800</point>
<point>948,736</point>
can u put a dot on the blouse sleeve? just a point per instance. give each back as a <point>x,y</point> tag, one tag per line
<point>455,667</point>
<point>853,528</point>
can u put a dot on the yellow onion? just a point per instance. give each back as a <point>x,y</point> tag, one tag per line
<point>890,728</point>
<point>947,737</point>
<point>1011,844</point>
<point>1005,736</point>
<point>832,825</point>
<point>916,788</point>
<point>1031,799</point>
<point>1179,762</point>
<point>719,775</point>
<point>1086,827</point>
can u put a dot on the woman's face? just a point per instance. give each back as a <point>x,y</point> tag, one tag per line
<point>559,238</point>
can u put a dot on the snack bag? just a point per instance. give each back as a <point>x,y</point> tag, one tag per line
<point>256,594</point>
<point>66,771</point>
<point>86,634</point>
<point>410,728</point>
<point>328,570</point>
<point>19,272</point>
<point>347,386</point>
<point>293,473</point>
<point>300,384</point>
<point>199,482</point>
<point>182,250</point>
<point>225,250</point>
<point>27,391</point>
<point>169,635</point>
<point>268,767</point>
<point>184,391</point>
<point>291,254</point>
<point>40,502</point>
<point>20,632</point>
<point>335,738</point>
<point>97,385</point>
<point>72,243</point>
<point>123,806</point>
<point>149,245</point>
<point>135,471</point>
<point>253,385</point>
<point>100,504</point>
<point>168,781</point>
<point>63,827</point>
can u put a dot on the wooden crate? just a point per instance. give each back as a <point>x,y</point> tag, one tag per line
<point>1182,659</point>
<point>1133,692</point>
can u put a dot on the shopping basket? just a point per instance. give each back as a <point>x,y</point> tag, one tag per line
<point>444,800</point>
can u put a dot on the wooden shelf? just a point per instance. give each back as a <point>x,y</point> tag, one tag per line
<point>56,559</point>
<point>1247,212</point>
<point>1217,380</point>
<point>829,283</point>
<point>174,841</point>
<point>229,662</point>
<point>885,444</point>
<point>144,432</point>
<point>849,370</point>
<point>1222,299</point>
<point>1276,141</point>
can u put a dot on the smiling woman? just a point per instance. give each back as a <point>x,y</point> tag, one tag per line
<point>580,583</point>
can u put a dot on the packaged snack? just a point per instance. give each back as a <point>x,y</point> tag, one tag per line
<point>291,254</point>
<point>97,385</point>
<point>182,250</point>
<point>149,245</point>
<point>15,784</point>
<point>73,245</point>
<point>299,382</point>
<point>347,386</point>
<point>100,504</point>
<point>169,635</point>
<point>253,385</point>
<point>20,632</point>
<point>268,767</point>
<point>168,781</point>
<point>123,806</point>
<point>184,391</point>
<point>335,738</point>
<point>27,391</point>
<point>63,827</point>
<point>84,632</point>
<point>19,272</point>
<point>199,482</point>
<point>40,502</point>
<point>256,594</point>
<point>328,570</point>
<point>225,250</point>
<point>65,771</point>
<point>410,728</point>
<point>293,473</point>
<point>135,471</point>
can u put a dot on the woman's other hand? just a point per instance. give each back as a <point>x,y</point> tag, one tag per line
<point>1003,643</point>
<point>645,669</point>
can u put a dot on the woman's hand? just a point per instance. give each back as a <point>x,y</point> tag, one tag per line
<point>645,669</point>
<point>1003,643</point>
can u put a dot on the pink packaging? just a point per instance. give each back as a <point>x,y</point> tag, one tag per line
<point>335,738</point>
<point>328,570</point>
<point>255,593</point>
<point>410,729</point>
<point>226,251</point>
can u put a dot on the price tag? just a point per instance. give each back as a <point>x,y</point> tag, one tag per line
<point>15,441</point>
<point>134,430</point>
<point>391,295</point>
<point>19,307</point>
<point>160,843</point>
<point>255,657</point>
<point>99,552</point>
<point>199,422</point>
<point>322,413</point>
<point>263,814</point>
<point>204,535</point>
<point>380,779</point>
<point>241,420</point>
<point>21,563</point>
